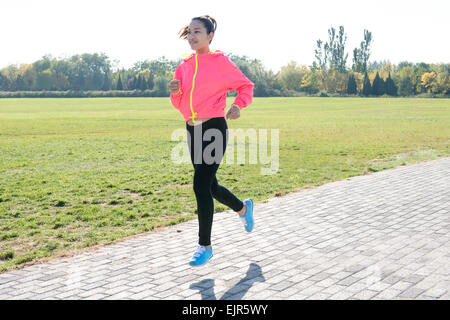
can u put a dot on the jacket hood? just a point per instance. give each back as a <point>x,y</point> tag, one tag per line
<point>211,54</point>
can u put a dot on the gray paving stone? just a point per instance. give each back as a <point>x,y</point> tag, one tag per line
<point>365,295</point>
<point>341,295</point>
<point>97,296</point>
<point>283,285</point>
<point>412,292</point>
<point>348,281</point>
<point>436,292</point>
<point>392,279</point>
<point>402,285</point>
<point>414,278</point>
<point>387,294</point>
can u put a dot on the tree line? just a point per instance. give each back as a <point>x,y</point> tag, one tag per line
<point>329,75</point>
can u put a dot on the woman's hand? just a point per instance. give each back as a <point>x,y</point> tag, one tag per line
<point>174,86</point>
<point>233,113</point>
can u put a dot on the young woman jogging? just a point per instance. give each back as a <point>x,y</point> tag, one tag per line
<point>198,91</point>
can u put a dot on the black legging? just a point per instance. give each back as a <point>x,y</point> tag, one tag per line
<point>205,182</point>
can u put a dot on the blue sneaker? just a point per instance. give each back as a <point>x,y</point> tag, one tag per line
<point>247,218</point>
<point>201,256</point>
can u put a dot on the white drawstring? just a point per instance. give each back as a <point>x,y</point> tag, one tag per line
<point>200,250</point>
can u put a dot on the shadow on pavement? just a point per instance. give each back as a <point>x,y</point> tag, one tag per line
<point>237,292</point>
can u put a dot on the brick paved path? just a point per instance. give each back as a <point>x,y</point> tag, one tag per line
<point>379,236</point>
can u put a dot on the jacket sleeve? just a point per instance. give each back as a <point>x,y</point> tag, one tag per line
<point>236,80</point>
<point>175,98</point>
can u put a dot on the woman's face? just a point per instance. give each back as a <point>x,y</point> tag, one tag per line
<point>197,35</point>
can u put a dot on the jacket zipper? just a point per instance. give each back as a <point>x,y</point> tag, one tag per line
<point>194,114</point>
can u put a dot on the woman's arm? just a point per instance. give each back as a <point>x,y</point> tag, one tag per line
<point>175,98</point>
<point>236,80</point>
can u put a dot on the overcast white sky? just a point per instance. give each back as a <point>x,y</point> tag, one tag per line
<point>274,32</point>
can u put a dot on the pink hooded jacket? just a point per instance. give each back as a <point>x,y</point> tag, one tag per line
<point>204,81</point>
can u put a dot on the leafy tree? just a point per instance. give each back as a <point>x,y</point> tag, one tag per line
<point>367,88</point>
<point>333,51</point>
<point>150,82</point>
<point>45,80</point>
<point>403,64</point>
<point>406,84</point>
<point>419,70</point>
<point>130,82</point>
<point>428,79</point>
<point>11,72</point>
<point>43,64</point>
<point>61,81</point>
<point>379,65</point>
<point>139,82</point>
<point>332,81</point>
<point>107,82</point>
<point>4,82</point>
<point>143,85</point>
<point>442,83</point>
<point>378,86</point>
<point>260,77</point>
<point>321,57</point>
<point>63,69</point>
<point>19,83</point>
<point>391,88</point>
<point>158,66</point>
<point>28,75</point>
<point>338,57</point>
<point>290,76</point>
<point>90,71</point>
<point>161,86</point>
<point>361,55</point>
<point>119,85</point>
<point>351,85</point>
<point>310,82</point>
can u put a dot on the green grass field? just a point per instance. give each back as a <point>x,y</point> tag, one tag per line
<point>84,171</point>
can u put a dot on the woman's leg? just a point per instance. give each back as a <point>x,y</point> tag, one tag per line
<point>225,196</point>
<point>219,192</point>
<point>203,177</point>
<point>205,183</point>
